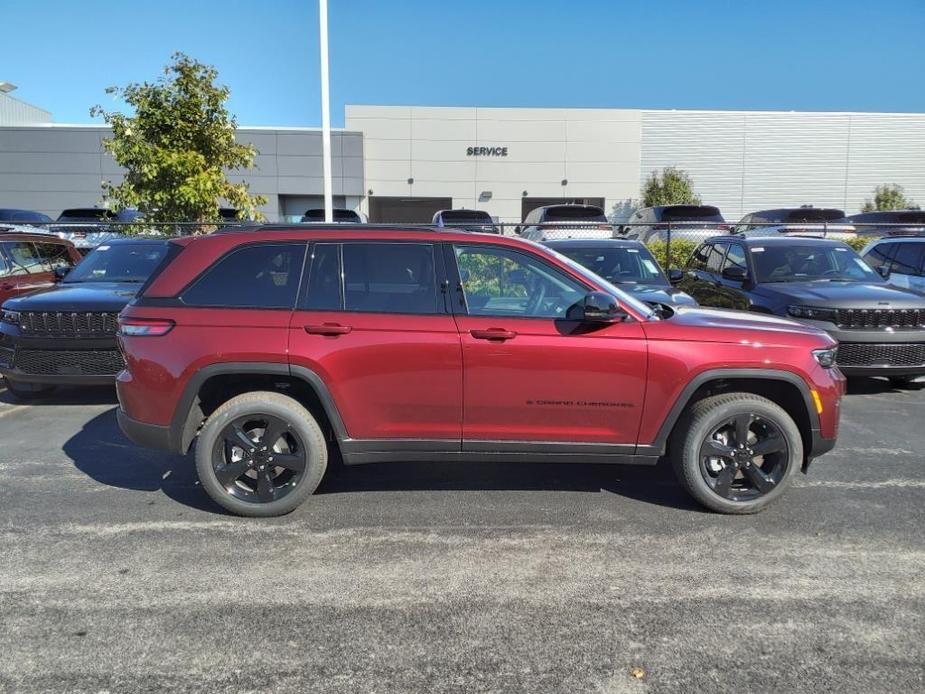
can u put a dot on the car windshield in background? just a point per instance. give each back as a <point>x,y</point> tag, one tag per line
<point>811,263</point>
<point>86,215</point>
<point>575,212</point>
<point>466,216</point>
<point>337,215</point>
<point>123,262</point>
<point>692,213</point>
<point>810,214</point>
<point>619,265</point>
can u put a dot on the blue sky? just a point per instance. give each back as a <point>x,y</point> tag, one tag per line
<point>846,55</point>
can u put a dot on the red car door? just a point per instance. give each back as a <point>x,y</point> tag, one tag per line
<point>374,326</point>
<point>530,375</point>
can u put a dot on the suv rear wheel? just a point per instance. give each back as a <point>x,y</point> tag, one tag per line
<point>261,454</point>
<point>737,452</point>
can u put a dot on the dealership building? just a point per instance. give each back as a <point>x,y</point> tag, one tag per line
<point>401,163</point>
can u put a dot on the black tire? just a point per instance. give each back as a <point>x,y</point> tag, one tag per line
<point>244,495</point>
<point>27,391</point>
<point>740,482</point>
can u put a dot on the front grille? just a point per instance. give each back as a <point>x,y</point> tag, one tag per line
<point>866,354</point>
<point>873,318</point>
<point>68,324</point>
<point>69,362</point>
<point>6,357</point>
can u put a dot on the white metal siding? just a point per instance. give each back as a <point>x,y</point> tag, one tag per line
<point>16,112</point>
<point>746,161</point>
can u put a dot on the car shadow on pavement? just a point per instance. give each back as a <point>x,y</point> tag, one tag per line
<point>878,386</point>
<point>85,395</point>
<point>101,451</point>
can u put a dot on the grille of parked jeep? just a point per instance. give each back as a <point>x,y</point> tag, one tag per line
<point>865,354</point>
<point>872,318</point>
<point>68,324</point>
<point>69,362</point>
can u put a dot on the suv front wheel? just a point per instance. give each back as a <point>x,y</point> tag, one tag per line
<point>737,452</point>
<point>261,454</point>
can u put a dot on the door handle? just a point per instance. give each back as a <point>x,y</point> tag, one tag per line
<point>328,329</point>
<point>493,334</point>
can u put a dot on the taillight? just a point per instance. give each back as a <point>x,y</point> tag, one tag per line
<point>605,227</point>
<point>144,327</point>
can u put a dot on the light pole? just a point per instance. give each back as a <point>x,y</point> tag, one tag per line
<point>325,113</point>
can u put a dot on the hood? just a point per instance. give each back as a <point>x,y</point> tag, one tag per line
<point>77,296</point>
<point>845,294</point>
<point>658,294</point>
<point>716,325</point>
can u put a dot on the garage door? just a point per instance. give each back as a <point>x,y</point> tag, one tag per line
<point>387,210</point>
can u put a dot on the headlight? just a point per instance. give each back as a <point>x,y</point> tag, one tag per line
<point>826,357</point>
<point>811,312</point>
<point>9,316</point>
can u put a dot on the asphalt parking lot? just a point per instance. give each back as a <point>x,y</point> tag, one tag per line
<point>118,574</point>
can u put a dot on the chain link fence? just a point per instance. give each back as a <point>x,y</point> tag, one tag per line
<point>670,242</point>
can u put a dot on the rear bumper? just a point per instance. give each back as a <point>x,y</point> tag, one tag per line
<point>144,434</point>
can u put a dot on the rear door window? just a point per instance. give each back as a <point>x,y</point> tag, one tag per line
<point>53,255</point>
<point>259,276</point>
<point>324,279</point>
<point>881,254</point>
<point>908,259</point>
<point>390,278</point>
<point>715,259</point>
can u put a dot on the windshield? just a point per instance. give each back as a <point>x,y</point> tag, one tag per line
<point>638,306</point>
<point>619,265</point>
<point>808,263</point>
<point>698,213</point>
<point>119,263</point>
<point>568,213</point>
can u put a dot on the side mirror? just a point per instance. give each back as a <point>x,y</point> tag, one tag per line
<point>675,275</point>
<point>61,271</point>
<point>884,271</point>
<point>597,307</point>
<point>736,274</point>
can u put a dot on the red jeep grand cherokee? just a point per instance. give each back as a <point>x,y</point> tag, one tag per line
<point>277,346</point>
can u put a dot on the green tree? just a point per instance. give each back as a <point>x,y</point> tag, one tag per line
<point>887,197</point>
<point>177,146</point>
<point>671,187</point>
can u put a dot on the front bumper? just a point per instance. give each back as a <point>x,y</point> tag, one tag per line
<point>877,352</point>
<point>59,361</point>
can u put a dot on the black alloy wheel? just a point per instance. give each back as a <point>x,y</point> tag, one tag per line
<point>745,457</point>
<point>258,458</point>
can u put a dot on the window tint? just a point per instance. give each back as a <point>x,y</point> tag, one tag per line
<point>53,255</point>
<point>390,278</point>
<point>324,285</point>
<point>24,258</point>
<point>698,259</point>
<point>735,257</point>
<point>4,265</point>
<point>500,282</point>
<point>880,254</point>
<point>908,258</point>
<point>715,260</point>
<point>260,276</point>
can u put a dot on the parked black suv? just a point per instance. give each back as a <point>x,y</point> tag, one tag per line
<point>821,282</point>
<point>887,222</point>
<point>694,222</point>
<point>66,335</point>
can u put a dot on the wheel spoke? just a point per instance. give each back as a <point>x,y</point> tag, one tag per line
<point>742,423</point>
<point>236,436</point>
<point>762,482</point>
<point>275,429</point>
<point>768,445</point>
<point>723,485</point>
<point>715,449</point>
<point>265,489</point>
<point>290,461</point>
<point>227,474</point>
